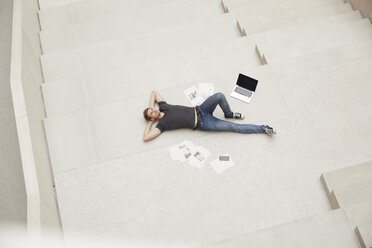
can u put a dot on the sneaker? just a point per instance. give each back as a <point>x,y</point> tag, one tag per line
<point>238,116</point>
<point>269,131</point>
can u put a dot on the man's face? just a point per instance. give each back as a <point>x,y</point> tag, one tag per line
<point>153,113</point>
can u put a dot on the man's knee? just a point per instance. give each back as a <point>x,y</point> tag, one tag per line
<point>219,95</point>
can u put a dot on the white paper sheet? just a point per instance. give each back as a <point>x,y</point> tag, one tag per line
<point>182,151</point>
<point>205,90</point>
<point>221,166</point>
<point>197,96</point>
<point>198,157</point>
<point>193,96</point>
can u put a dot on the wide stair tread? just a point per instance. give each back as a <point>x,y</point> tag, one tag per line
<point>71,94</point>
<point>326,230</point>
<point>106,55</point>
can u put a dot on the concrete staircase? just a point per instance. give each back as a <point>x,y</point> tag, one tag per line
<point>102,58</point>
<point>349,188</point>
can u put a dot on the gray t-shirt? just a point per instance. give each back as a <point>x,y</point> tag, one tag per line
<point>175,117</point>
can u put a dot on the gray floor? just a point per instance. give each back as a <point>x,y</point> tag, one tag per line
<point>12,187</point>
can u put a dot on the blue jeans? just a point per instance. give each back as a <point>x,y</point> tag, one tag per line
<point>207,122</point>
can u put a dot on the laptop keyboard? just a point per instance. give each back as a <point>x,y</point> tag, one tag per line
<point>243,91</point>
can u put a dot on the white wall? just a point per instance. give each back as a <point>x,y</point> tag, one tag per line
<point>26,79</point>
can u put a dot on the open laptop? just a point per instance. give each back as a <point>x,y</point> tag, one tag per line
<point>244,88</point>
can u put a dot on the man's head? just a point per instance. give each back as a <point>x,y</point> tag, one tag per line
<point>151,114</point>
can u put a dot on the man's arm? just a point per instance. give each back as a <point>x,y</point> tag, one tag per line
<point>155,98</point>
<point>150,134</point>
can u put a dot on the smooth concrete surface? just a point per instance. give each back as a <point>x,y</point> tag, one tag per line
<point>176,70</point>
<point>109,55</point>
<point>217,27</point>
<point>13,203</point>
<point>359,213</point>
<point>292,46</point>
<point>153,16</point>
<point>323,59</point>
<point>62,16</point>
<point>105,143</point>
<point>266,38</point>
<point>123,27</point>
<point>364,233</point>
<point>341,178</point>
<point>356,193</point>
<point>324,230</point>
<point>287,17</point>
<point>273,182</point>
<point>252,7</point>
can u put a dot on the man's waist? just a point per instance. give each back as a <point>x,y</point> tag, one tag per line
<point>197,116</point>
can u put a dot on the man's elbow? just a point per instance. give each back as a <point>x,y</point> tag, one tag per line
<point>145,139</point>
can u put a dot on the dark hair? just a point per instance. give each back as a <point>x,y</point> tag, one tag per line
<point>148,118</point>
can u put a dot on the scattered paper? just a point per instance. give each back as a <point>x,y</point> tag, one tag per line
<point>197,96</point>
<point>187,151</point>
<point>205,90</point>
<point>221,166</point>
<point>182,151</point>
<point>198,157</point>
<point>193,96</point>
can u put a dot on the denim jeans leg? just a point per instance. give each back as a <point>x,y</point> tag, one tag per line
<point>210,104</point>
<point>211,123</point>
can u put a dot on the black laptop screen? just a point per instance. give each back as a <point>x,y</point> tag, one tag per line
<point>247,82</point>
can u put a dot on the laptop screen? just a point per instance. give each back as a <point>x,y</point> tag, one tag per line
<point>247,82</point>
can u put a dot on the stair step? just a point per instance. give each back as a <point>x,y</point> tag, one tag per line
<point>99,130</point>
<point>289,47</point>
<point>364,234</point>
<point>124,27</point>
<point>359,213</point>
<point>321,60</point>
<point>65,15</point>
<point>283,18</point>
<point>353,194</point>
<point>341,178</point>
<point>326,230</point>
<point>325,93</point>
<point>267,38</point>
<point>79,93</point>
<point>100,57</point>
<point>252,8</point>
<point>46,4</point>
